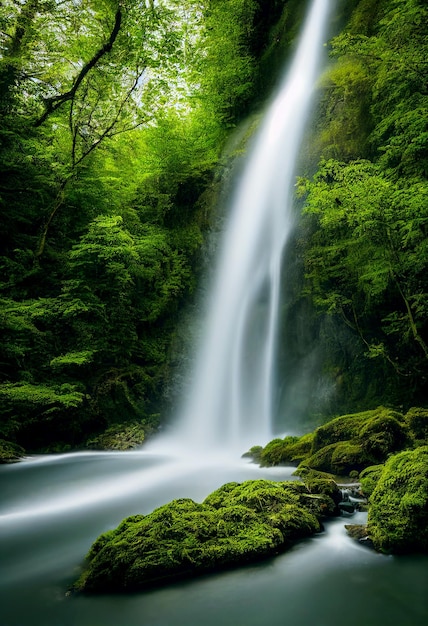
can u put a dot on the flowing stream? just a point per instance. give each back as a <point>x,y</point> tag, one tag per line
<point>53,507</point>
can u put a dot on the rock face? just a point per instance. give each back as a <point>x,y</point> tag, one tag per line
<point>398,512</point>
<point>236,524</point>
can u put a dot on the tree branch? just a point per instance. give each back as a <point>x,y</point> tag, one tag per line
<point>59,201</point>
<point>53,103</point>
<point>368,346</point>
<point>412,323</point>
<point>107,132</point>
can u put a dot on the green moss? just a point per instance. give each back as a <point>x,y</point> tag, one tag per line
<point>10,451</point>
<point>382,435</point>
<point>348,427</point>
<point>289,450</point>
<point>338,458</point>
<point>237,523</point>
<point>120,437</point>
<point>417,420</point>
<point>398,513</point>
<point>369,478</point>
<point>346,444</point>
<point>254,453</point>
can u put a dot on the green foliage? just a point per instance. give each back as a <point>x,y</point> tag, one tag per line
<point>25,404</point>
<point>364,232</point>
<point>73,358</point>
<point>367,257</point>
<point>38,395</point>
<point>112,127</point>
<point>398,513</point>
<point>236,524</point>
<point>228,24</point>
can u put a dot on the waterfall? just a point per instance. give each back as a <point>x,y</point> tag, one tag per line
<point>232,398</point>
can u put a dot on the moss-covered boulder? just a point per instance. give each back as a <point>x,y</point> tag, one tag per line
<point>236,524</point>
<point>369,478</point>
<point>383,434</point>
<point>338,458</point>
<point>398,512</point>
<point>290,450</point>
<point>359,426</point>
<point>121,436</point>
<point>417,420</point>
<point>346,444</point>
<point>10,452</point>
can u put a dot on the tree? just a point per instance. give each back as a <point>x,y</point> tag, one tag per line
<point>113,123</point>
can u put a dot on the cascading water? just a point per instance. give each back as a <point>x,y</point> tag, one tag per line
<point>54,506</point>
<point>231,402</point>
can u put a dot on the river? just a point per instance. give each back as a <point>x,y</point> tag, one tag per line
<point>53,507</point>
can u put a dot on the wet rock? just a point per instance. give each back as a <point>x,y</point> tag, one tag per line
<point>359,532</point>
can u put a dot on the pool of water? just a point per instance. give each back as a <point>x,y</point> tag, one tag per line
<point>53,507</point>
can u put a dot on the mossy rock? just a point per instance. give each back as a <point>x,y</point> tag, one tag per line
<point>10,452</point>
<point>119,437</point>
<point>349,427</point>
<point>383,435</point>
<point>290,450</point>
<point>352,442</point>
<point>356,531</point>
<point>398,513</point>
<point>417,420</point>
<point>236,524</point>
<point>369,478</point>
<point>338,458</point>
<point>254,453</point>
<point>345,444</point>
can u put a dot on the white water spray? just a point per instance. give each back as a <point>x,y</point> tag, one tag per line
<point>231,403</point>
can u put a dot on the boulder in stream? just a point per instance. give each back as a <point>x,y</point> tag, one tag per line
<point>236,524</point>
